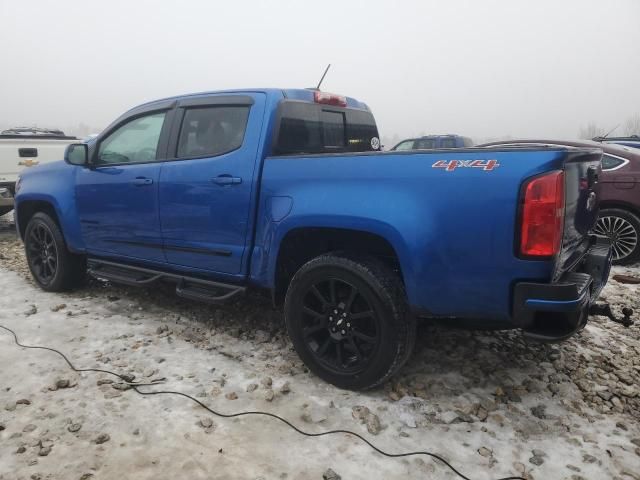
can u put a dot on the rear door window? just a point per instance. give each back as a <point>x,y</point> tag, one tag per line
<point>211,131</point>
<point>425,143</point>
<point>408,145</point>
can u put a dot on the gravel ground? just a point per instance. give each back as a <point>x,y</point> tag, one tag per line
<point>489,402</point>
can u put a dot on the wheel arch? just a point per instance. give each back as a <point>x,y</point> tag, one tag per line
<point>26,209</point>
<point>607,204</point>
<point>303,243</point>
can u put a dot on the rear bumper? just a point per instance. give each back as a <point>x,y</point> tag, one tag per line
<point>555,311</point>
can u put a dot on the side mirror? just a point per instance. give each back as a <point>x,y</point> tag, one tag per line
<point>77,154</point>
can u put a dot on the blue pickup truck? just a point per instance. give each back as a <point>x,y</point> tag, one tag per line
<point>284,191</point>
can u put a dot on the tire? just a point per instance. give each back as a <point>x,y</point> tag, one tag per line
<point>5,210</point>
<point>355,341</point>
<point>52,265</point>
<point>623,228</point>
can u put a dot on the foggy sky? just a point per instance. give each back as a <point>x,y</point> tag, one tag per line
<point>482,68</point>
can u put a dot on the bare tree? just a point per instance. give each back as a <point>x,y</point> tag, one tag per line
<point>632,125</point>
<point>591,130</point>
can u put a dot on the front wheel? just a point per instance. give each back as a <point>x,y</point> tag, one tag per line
<point>348,321</point>
<point>54,268</point>
<point>623,229</point>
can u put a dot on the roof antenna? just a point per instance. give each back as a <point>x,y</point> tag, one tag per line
<point>610,131</point>
<point>323,75</point>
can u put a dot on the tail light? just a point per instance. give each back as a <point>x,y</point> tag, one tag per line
<point>329,99</point>
<point>542,215</point>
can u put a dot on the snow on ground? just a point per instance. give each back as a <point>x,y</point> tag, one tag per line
<point>489,402</point>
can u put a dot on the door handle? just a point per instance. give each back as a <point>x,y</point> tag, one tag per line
<point>140,181</point>
<point>226,180</point>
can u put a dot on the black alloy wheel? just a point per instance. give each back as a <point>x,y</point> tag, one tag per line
<point>42,253</point>
<point>348,321</point>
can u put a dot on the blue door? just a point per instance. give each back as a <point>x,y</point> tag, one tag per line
<point>207,184</point>
<point>117,197</point>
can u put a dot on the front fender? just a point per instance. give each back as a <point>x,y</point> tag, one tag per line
<point>53,184</point>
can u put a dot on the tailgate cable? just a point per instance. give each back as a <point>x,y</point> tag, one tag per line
<point>127,379</point>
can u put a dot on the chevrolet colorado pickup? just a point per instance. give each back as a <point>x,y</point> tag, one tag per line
<point>283,191</point>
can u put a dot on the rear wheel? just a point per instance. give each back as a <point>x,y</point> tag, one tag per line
<point>53,266</point>
<point>348,321</point>
<point>623,228</point>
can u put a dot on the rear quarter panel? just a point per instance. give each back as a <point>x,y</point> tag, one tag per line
<point>453,231</point>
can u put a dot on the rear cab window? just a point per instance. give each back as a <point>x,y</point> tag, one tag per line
<point>309,128</point>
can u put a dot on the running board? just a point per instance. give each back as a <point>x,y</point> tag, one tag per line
<point>188,287</point>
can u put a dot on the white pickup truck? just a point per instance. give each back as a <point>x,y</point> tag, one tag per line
<point>22,148</point>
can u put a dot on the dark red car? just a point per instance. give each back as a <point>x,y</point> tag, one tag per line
<point>619,194</point>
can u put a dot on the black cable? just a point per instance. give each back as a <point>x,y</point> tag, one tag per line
<point>125,379</point>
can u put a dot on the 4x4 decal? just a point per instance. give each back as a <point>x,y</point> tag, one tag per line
<point>451,165</point>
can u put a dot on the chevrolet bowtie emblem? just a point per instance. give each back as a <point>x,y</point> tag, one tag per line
<point>28,163</point>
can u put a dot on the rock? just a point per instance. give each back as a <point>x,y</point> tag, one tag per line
<point>589,458</point>
<point>63,383</point>
<point>314,414</point>
<point>395,396</point>
<point>104,381</point>
<point>102,438</point>
<point>285,388</point>
<point>636,441</point>
<point>58,307</point>
<point>74,427</point>
<point>605,395</point>
<point>482,414</point>
<point>29,428</point>
<point>622,426</point>
<point>573,468</point>
<point>485,452</point>
<point>23,401</point>
<point>231,396</point>
<point>261,336</point>
<point>21,449</point>
<point>266,382</point>
<point>251,387</point>
<point>536,460</point>
<point>539,411</point>
<point>121,386</point>
<point>128,377</point>
<point>2,427</point>
<point>373,424</point>
<point>449,417</point>
<point>627,279</point>
<point>150,372</point>
<point>360,412</point>
<point>86,476</point>
<point>162,329</point>
<point>32,311</point>
<point>44,451</point>
<point>269,395</point>
<point>538,453</point>
<point>136,431</point>
<point>330,475</point>
<point>206,422</point>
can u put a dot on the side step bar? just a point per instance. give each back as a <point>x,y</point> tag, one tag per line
<point>188,287</point>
